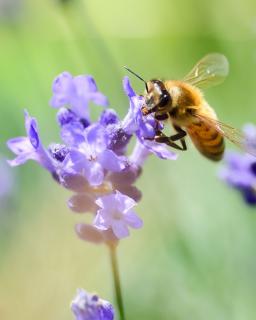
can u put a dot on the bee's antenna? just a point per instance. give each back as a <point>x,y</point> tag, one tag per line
<point>136,75</point>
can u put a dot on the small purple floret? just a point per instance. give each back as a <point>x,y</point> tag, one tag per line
<point>92,156</point>
<point>116,213</point>
<point>30,147</point>
<point>58,151</point>
<point>87,306</point>
<point>76,92</point>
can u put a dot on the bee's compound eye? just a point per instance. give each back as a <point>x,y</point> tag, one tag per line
<point>165,99</point>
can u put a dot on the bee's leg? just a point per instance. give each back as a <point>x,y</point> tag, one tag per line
<point>161,117</point>
<point>162,138</point>
<point>167,140</point>
<point>180,136</point>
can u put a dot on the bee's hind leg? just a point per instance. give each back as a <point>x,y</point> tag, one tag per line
<point>180,136</point>
<point>170,141</point>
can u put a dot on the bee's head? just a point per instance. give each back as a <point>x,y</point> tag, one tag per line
<point>156,96</point>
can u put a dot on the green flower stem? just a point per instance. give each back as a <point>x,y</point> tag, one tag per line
<point>117,284</point>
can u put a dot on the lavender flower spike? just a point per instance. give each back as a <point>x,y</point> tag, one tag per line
<point>30,147</point>
<point>116,213</point>
<point>86,306</point>
<point>76,92</point>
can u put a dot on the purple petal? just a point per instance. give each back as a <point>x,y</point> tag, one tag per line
<point>88,306</point>
<point>146,129</point>
<point>129,125</point>
<point>124,203</point>
<point>108,116</point>
<point>139,154</point>
<point>96,137</point>
<point>62,89</point>
<point>133,220</point>
<point>160,150</point>
<point>62,82</point>
<point>92,170</point>
<point>89,233</point>
<point>107,202</point>
<point>82,202</point>
<point>72,134</point>
<point>66,116</point>
<point>32,130</point>
<point>120,229</point>
<point>110,161</point>
<point>78,161</point>
<point>128,88</point>
<point>94,173</point>
<point>21,159</point>
<point>102,220</point>
<point>22,147</point>
<point>19,145</point>
<point>80,106</point>
<point>85,84</point>
<point>99,99</point>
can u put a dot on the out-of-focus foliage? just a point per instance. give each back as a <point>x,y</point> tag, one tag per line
<point>195,256</point>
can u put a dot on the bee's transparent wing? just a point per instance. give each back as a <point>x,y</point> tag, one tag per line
<point>209,71</point>
<point>232,134</point>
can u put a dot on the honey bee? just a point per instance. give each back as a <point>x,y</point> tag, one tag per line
<point>182,103</point>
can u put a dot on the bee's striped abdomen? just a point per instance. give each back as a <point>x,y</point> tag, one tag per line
<point>207,140</point>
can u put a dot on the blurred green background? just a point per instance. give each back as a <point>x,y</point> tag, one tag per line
<point>195,257</point>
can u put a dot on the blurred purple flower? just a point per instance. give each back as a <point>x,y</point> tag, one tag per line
<point>87,306</point>
<point>116,213</point>
<point>76,92</point>
<point>240,169</point>
<point>6,181</point>
<point>30,147</point>
<point>240,173</point>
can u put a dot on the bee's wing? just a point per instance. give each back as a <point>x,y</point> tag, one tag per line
<point>232,134</point>
<point>209,71</point>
